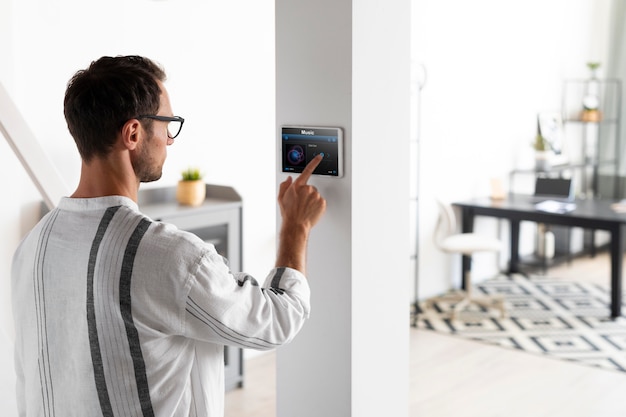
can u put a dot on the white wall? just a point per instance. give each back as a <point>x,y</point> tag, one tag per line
<point>346,63</point>
<point>491,67</point>
<point>219,57</point>
<point>10,219</point>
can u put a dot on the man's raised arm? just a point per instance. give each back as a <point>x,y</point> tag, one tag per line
<point>301,207</point>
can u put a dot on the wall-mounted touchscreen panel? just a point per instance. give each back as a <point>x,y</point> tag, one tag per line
<point>300,144</point>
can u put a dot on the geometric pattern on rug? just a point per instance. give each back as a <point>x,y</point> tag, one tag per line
<point>548,316</point>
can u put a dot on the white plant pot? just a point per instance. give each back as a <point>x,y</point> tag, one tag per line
<point>543,160</point>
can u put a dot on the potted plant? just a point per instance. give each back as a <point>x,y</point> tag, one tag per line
<point>591,100</point>
<point>593,68</point>
<point>191,190</point>
<point>543,151</point>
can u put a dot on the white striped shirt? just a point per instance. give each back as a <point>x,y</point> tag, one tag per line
<point>118,315</point>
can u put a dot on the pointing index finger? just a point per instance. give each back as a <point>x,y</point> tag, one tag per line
<point>308,170</point>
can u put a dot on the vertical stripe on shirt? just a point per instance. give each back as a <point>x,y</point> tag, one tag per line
<point>139,365</point>
<point>45,377</point>
<point>94,342</point>
<point>275,283</point>
<point>277,276</point>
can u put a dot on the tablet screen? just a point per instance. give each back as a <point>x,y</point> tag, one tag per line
<point>301,144</point>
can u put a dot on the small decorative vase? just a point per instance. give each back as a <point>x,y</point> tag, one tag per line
<point>191,193</point>
<point>593,115</point>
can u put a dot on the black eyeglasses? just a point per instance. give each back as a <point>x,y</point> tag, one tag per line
<point>174,123</point>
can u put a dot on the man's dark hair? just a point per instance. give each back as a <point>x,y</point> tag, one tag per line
<point>100,99</point>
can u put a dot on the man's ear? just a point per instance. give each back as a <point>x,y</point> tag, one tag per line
<point>132,132</point>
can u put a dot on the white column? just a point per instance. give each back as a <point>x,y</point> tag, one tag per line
<point>345,63</point>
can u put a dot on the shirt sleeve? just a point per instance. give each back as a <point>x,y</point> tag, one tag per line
<point>19,386</point>
<point>233,309</point>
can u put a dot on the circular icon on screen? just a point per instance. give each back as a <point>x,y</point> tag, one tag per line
<point>295,155</point>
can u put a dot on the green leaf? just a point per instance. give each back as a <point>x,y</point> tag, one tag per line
<point>192,174</point>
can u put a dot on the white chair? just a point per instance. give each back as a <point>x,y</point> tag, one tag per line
<point>450,241</point>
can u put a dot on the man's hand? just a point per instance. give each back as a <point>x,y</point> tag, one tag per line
<point>300,203</point>
<point>301,207</point>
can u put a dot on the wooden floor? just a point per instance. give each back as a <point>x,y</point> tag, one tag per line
<point>454,377</point>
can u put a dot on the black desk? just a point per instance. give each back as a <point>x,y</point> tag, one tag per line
<point>589,214</point>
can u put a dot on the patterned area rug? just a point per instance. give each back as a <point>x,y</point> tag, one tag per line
<point>565,320</point>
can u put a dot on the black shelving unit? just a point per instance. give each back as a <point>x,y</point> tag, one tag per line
<point>591,142</point>
<point>597,139</point>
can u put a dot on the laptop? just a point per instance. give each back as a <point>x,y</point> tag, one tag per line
<point>555,195</point>
<point>559,189</point>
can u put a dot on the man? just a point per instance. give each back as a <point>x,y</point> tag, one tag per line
<point>118,315</point>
